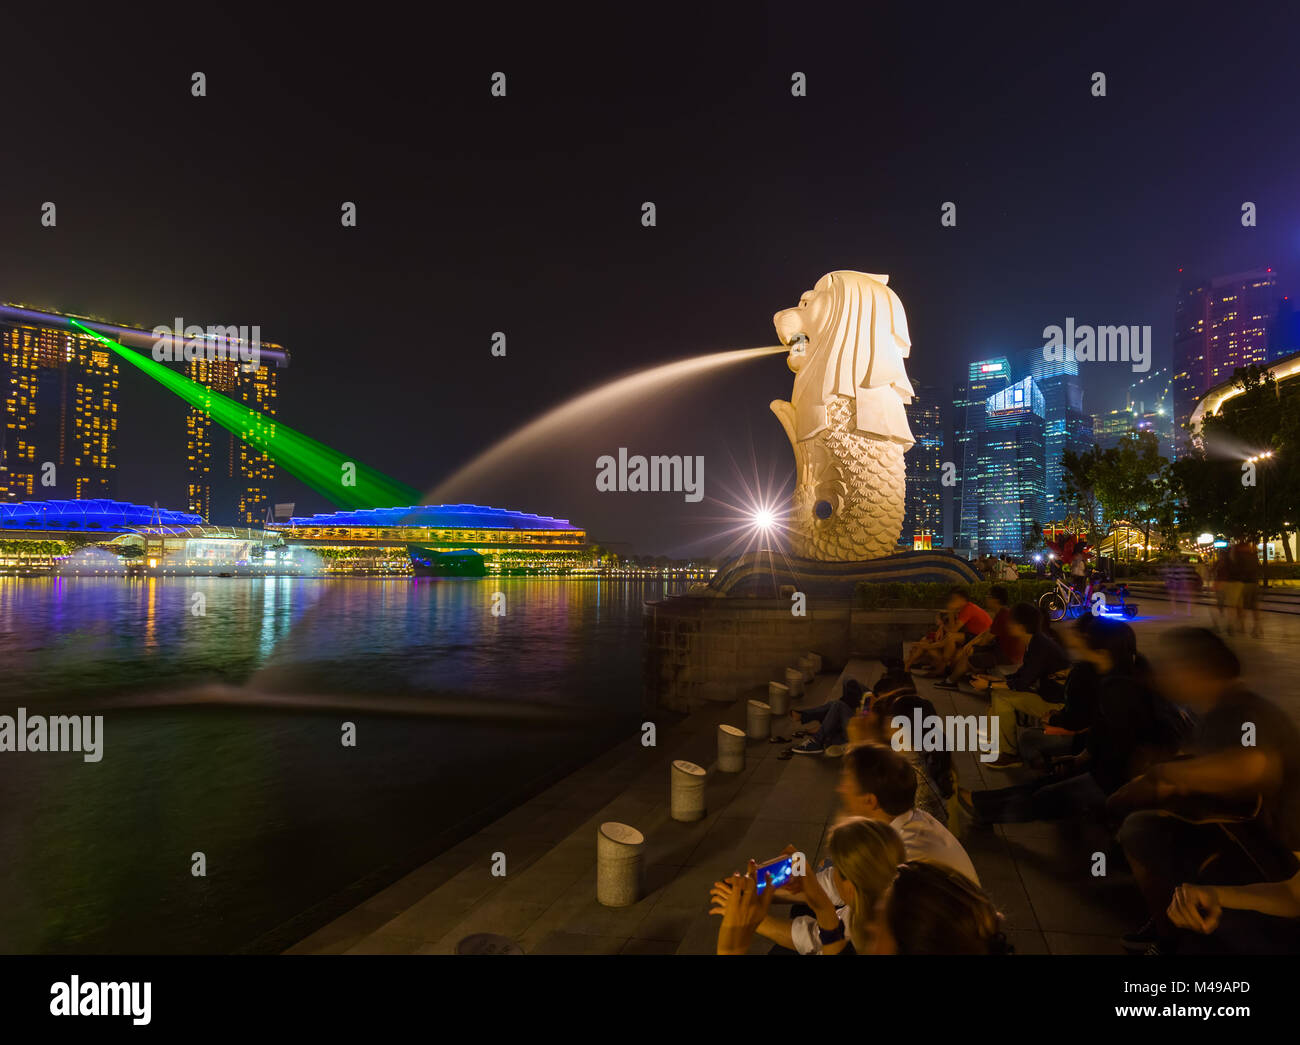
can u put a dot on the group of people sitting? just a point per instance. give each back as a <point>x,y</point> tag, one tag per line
<point>898,881</point>
<point>1196,778</point>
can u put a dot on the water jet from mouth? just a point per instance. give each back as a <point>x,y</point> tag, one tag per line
<point>585,410</point>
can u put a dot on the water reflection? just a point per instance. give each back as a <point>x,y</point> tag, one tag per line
<point>96,857</point>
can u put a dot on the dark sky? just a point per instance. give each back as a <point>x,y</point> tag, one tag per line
<point>523,214</point>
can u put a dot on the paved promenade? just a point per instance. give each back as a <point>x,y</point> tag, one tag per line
<point>1038,874</point>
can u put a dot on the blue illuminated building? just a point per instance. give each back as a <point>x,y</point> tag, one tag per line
<point>1066,426</point>
<point>1010,453</point>
<point>433,516</point>
<point>970,398</point>
<point>94,514</point>
<point>506,540</point>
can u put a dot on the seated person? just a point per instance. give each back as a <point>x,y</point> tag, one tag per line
<point>866,727</point>
<point>1062,729</point>
<point>931,909</point>
<point>936,781</point>
<point>1132,725</point>
<point>877,783</point>
<point>965,620</point>
<point>989,648</point>
<point>1229,813</point>
<point>1032,687</point>
<point>832,718</point>
<point>864,857</point>
<point>931,640</point>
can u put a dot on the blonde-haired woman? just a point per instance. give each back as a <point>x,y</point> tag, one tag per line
<point>865,855</point>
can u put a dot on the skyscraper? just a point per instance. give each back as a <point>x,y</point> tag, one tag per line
<point>1066,426</point>
<point>1010,449</point>
<point>1219,325</point>
<point>60,391</point>
<point>226,475</point>
<point>924,503</point>
<point>970,398</point>
<point>1109,429</point>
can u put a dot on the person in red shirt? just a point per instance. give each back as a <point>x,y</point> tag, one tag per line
<point>989,648</point>
<point>965,621</point>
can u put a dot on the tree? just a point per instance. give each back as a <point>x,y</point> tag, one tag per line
<point>1220,494</point>
<point>1078,483</point>
<point>1034,536</point>
<point>1133,484</point>
<point>1129,483</point>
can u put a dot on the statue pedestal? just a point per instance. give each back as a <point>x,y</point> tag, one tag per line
<point>770,574</point>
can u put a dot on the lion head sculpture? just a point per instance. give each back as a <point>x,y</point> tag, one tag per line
<point>848,337</point>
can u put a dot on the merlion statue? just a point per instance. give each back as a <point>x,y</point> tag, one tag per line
<point>846,419</point>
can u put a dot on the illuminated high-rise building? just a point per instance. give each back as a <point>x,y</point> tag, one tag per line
<point>1109,429</point>
<point>983,378</point>
<point>1242,310</point>
<point>1220,325</point>
<point>60,409</point>
<point>1010,451</point>
<point>1149,408</point>
<point>924,499</point>
<point>1065,425</point>
<point>227,479</point>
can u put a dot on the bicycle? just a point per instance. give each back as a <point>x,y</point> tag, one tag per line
<point>1063,600</point>
<point>1066,600</point>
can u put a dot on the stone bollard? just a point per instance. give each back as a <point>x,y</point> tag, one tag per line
<point>731,749</point>
<point>758,722</point>
<point>794,682</point>
<point>808,666</point>
<point>816,659</point>
<point>686,799</point>
<point>618,864</point>
<point>778,696</point>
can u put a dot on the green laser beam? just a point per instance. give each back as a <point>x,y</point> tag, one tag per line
<point>342,480</point>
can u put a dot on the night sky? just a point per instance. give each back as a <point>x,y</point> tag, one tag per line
<point>523,214</point>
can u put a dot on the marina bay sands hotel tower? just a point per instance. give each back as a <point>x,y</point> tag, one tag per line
<point>60,408</point>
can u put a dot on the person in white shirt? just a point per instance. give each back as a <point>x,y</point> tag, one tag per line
<point>876,783</point>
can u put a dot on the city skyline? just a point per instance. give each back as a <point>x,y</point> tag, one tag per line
<point>536,232</point>
<point>247,490</point>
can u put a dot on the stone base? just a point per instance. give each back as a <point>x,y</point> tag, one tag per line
<point>701,650</point>
<point>770,573</point>
<point>719,641</point>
